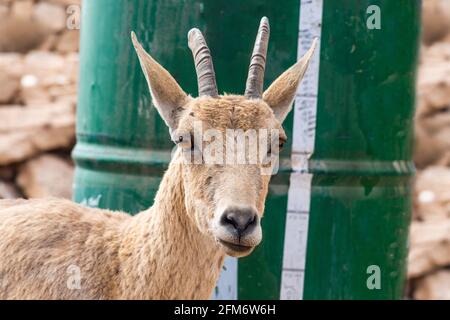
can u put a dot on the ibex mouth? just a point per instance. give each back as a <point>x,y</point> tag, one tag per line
<point>235,247</point>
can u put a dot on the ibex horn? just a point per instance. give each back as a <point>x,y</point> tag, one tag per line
<point>255,79</point>
<point>206,77</point>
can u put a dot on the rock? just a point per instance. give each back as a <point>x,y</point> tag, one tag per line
<point>432,148</point>
<point>49,44</point>
<point>19,34</point>
<point>434,287</point>
<point>9,86</point>
<point>434,85</point>
<point>66,2</point>
<point>12,64</point>
<point>69,99</point>
<point>4,11</point>
<point>432,121</point>
<point>46,176</point>
<point>446,38</point>
<point>8,191</point>
<point>48,77</point>
<point>25,132</point>
<point>51,16</point>
<point>435,20</point>
<point>72,62</point>
<point>429,247</point>
<point>41,63</point>
<point>44,77</point>
<point>432,194</point>
<point>439,52</point>
<point>22,9</point>
<point>32,93</point>
<point>17,85</point>
<point>7,173</point>
<point>69,41</point>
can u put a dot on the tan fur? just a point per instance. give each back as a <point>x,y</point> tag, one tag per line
<point>149,256</point>
<point>170,251</point>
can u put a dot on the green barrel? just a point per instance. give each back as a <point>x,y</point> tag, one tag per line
<point>340,205</point>
<point>360,205</point>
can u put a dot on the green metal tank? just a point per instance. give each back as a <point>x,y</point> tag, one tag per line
<point>337,214</point>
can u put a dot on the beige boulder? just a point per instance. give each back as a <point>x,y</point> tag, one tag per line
<point>9,86</point>
<point>429,247</point>
<point>432,194</point>
<point>8,191</point>
<point>435,20</point>
<point>27,131</point>
<point>46,176</point>
<point>434,287</point>
<point>51,16</point>
<point>69,41</point>
<point>432,120</point>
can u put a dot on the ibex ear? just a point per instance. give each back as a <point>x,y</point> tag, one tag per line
<point>281,93</point>
<point>167,95</point>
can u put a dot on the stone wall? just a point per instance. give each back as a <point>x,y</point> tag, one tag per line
<point>38,84</point>
<point>429,258</point>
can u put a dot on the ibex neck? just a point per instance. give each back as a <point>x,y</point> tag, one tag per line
<point>173,259</point>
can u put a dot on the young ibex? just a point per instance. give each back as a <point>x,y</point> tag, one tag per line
<point>175,249</point>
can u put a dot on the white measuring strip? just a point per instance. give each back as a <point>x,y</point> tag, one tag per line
<point>226,287</point>
<point>299,195</point>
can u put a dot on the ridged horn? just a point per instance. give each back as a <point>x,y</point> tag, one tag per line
<point>255,79</point>
<point>206,77</point>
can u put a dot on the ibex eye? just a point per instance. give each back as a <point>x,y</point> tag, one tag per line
<point>182,138</point>
<point>280,146</point>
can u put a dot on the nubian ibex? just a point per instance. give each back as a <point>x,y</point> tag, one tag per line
<point>202,211</point>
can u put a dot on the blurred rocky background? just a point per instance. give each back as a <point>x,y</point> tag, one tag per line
<point>39,43</point>
<point>429,257</point>
<point>38,85</point>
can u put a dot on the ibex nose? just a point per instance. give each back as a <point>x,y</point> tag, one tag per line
<point>240,220</point>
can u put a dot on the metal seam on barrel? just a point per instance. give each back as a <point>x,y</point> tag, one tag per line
<point>121,158</point>
<point>362,167</point>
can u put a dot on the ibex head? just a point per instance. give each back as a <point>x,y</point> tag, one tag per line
<point>225,186</point>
